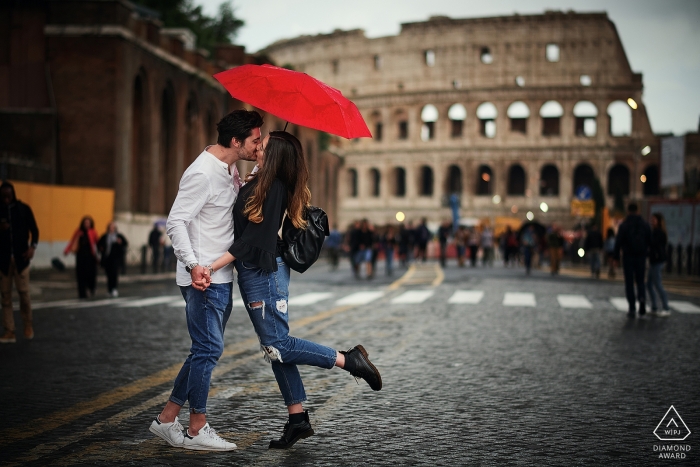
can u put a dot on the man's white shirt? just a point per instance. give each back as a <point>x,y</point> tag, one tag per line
<point>200,223</point>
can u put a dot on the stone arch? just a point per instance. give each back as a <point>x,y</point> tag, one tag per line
<point>551,113</point>
<point>650,184</point>
<point>620,115</point>
<point>377,125</point>
<point>457,114</point>
<point>517,181</point>
<point>426,181</point>
<point>549,180</point>
<point>453,181</point>
<point>375,182</point>
<point>583,175</point>
<point>428,116</point>
<point>487,113</point>
<point>518,113</point>
<point>619,180</point>
<point>484,181</point>
<point>140,144</point>
<point>401,119</point>
<point>585,115</point>
<point>399,182</point>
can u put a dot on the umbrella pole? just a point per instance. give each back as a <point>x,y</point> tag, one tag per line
<point>285,126</point>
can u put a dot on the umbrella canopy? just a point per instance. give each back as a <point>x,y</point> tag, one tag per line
<point>295,97</point>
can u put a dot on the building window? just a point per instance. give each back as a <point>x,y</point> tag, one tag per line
<point>429,116</point>
<point>619,180</point>
<point>516,180</point>
<point>549,181</point>
<point>486,56</point>
<point>650,181</point>
<point>551,113</point>
<point>378,127</point>
<point>583,176</point>
<point>376,178</point>
<point>399,182</point>
<point>487,113</point>
<point>426,181</point>
<point>552,52</point>
<point>484,181</point>
<point>620,115</point>
<point>457,114</point>
<point>429,56</point>
<point>377,62</point>
<point>586,113</point>
<point>352,183</point>
<point>454,180</point>
<point>518,113</point>
<point>585,80</point>
<point>403,129</point>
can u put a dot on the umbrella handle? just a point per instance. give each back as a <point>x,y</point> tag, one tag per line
<point>285,126</point>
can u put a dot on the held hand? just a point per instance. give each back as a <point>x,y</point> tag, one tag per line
<point>200,278</point>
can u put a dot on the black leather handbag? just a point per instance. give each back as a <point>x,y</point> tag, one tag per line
<point>302,247</point>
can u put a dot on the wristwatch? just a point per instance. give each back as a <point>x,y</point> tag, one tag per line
<point>189,267</point>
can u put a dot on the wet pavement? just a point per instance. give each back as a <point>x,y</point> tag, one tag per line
<point>480,367</point>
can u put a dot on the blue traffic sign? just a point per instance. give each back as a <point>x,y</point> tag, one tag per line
<point>583,192</point>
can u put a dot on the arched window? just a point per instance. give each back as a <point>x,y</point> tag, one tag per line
<point>352,183</point>
<point>401,124</point>
<point>585,113</point>
<point>551,113</point>
<point>620,118</point>
<point>516,180</point>
<point>399,182</point>
<point>619,180</point>
<point>487,113</point>
<point>486,56</point>
<point>454,180</point>
<point>376,120</point>
<point>376,179</point>
<point>429,116</point>
<point>484,180</point>
<point>518,113</point>
<point>457,114</point>
<point>549,181</point>
<point>583,175</point>
<point>650,180</point>
<point>426,181</point>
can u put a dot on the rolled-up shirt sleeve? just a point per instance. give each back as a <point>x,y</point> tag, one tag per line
<point>193,193</point>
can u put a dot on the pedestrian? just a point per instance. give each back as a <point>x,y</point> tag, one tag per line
<point>388,244</point>
<point>19,236</point>
<point>593,245</point>
<point>610,252</point>
<point>263,279</point>
<point>511,247</point>
<point>474,239</point>
<point>529,242</point>
<point>332,246</point>
<point>461,239</point>
<point>555,243</point>
<point>422,239</point>
<point>83,244</point>
<point>353,238</point>
<point>406,243</point>
<point>200,226</point>
<point>365,241</point>
<point>155,242</point>
<point>111,247</point>
<point>443,236</point>
<point>487,245</point>
<point>168,253</point>
<point>657,258</point>
<point>633,240</point>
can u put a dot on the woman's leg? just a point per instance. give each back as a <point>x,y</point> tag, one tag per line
<point>651,284</point>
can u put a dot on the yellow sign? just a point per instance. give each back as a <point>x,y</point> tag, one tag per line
<point>582,208</point>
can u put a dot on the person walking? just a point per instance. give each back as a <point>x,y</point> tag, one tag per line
<point>461,239</point>
<point>555,243</point>
<point>83,244</point>
<point>529,242</point>
<point>263,279</point>
<point>155,242</point>
<point>657,258</point>
<point>200,225</point>
<point>610,251</point>
<point>633,240</point>
<point>332,245</point>
<point>443,235</point>
<point>19,236</point>
<point>111,246</point>
<point>388,245</point>
<point>592,245</point>
<point>487,245</point>
<point>422,238</point>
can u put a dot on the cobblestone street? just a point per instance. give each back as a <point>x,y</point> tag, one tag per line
<point>480,367</point>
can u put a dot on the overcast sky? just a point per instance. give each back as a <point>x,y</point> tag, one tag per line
<point>661,38</point>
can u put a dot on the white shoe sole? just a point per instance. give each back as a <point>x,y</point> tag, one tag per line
<point>207,448</point>
<point>165,438</point>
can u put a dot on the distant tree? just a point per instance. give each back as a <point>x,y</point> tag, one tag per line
<point>210,32</point>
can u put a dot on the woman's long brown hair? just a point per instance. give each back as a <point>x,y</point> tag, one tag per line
<point>284,159</point>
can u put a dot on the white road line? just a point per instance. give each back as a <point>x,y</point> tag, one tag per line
<point>519,299</point>
<point>148,301</point>
<point>620,303</point>
<point>97,303</point>
<point>309,298</point>
<point>573,301</point>
<point>413,296</point>
<point>467,296</point>
<point>360,298</point>
<point>57,303</point>
<point>684,307</point>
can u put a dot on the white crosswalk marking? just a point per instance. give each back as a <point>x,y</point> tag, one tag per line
<point>148,301</point>
<point>309,298</point>
<point>684,307</point>
<point>573,301</point>
<point>98,303</point>
<point>467,296</point>
<point>57,303</point>
<point>360,298</point>
<point>620,303</point>
<point>413,296</point>
<point>519,299</point>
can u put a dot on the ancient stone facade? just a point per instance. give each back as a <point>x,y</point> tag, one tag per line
<point>507,113</point>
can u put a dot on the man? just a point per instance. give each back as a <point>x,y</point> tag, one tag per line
<point>16,251</point>
<point>155,241</point>
<point>423,237</point>
<point>593,246</point>
<point>555,242</point>
<point>333,244</point>
<point>487,245</point>
<point>633,239</point>
<point>200,226</point>
<point>443,234</point>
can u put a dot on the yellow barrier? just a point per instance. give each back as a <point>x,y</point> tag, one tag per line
<point>58,209</point>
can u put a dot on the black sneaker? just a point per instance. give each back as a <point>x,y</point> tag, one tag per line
<point>358,365</point>
<point>293,433</point>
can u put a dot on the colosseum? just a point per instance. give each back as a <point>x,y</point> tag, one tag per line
<point>507,113</point>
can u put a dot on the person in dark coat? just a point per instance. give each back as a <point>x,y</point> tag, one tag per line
<point>657,258</point>
<point>155,241</point>
<point>84,245</point>
<point>17,224</point>
<point>422,238</point>
<point>593,245</point>
<point>112,246</point>
<point>633,239</point>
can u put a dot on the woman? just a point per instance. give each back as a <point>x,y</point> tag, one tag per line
<point>263,278</point>
<point>84,245</point>
<point>388,245</point>
<point>657,258</point>
<point>112,246</point>
<point>610,251</point>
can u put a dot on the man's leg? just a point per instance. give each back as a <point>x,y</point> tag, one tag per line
<point>25,304</point>
<point>8,319</point>
<point>628,270</point>
<point>639,269</point>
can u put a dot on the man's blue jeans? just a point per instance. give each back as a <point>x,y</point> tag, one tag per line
<point>654,282</point>
<point>271,322</point>
<point>207,314</point>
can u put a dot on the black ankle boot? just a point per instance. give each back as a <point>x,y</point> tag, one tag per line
<point>358,365</point>
<point>293,432</point>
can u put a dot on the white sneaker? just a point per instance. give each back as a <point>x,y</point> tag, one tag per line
<point>114,293</point>
<point>663,314</point>
<point>207,440</point>
<point>170,432</point>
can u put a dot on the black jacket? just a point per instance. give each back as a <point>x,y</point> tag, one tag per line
<point>633,237</point>
<point>657,251</point>
<point>16,224</point>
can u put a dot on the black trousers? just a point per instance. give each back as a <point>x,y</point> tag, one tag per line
<point>112,272</point>
<point>86,273</point>
<point>633,268</point>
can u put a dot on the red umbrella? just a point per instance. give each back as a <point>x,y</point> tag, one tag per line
<point>295,97</point>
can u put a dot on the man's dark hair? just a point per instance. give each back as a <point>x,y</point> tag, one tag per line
<point>9,186</point>
<point>238,124</point>
<point>632,208</point>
